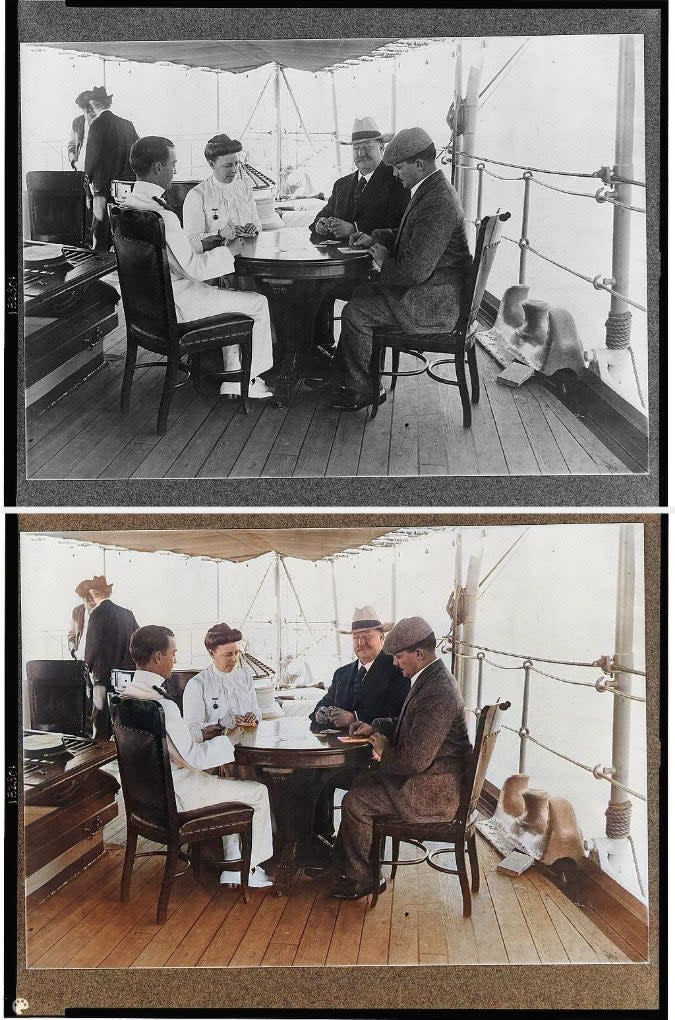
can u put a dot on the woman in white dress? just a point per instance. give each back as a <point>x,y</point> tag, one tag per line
<point>222,696</point>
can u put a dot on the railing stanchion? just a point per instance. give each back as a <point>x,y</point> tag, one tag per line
<point>523,731</point>
<point>479,198</point>
<point>479,683</point>
<point>524,240</point>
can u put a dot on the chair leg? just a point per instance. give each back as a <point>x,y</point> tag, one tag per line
<point>463,878</point>
<point>196,860</point>
<point>167,882</point>
<point>130,853</point>
<point>195,369</point>
<point>375,375</point>
<point>473,372</point>
<point>245,839</point>
<point>129,366</point>
<point>245,354</point>
<point>395,359</point>
<point>167,394</point>
<point>375,856</point>
<point>460,370</point>
<point>395,844</point>
<point>473,861</point>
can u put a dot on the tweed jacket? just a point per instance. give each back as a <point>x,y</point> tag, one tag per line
<point>383,691</point>
<point>429,256</point>
<point>107,645</point>
<point>381,203</point>
<point>427,741</point>
<point>107,157</point>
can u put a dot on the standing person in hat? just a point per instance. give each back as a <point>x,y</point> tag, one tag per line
<point>369,198</point>
<point>106,646</point>
<point>153,159</point>
<point>372,685</point>
<point>79,622</point>
<point>154,652</point>
<point>107,159</point>
<point>78,127</point>
<point>222,207</point>
<point>422,756</point>
<point>422,268</point>
<point>222,696</point>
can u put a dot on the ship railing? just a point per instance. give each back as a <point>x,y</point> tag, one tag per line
<point>618,335</point>
<point>603,684</point>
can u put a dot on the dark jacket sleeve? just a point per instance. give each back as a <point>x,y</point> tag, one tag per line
<point>427,726</point>
<point>328,698</point>
<point>398,202</point>
<point>426,235</point>
<point>397,691</point>
<point>94,154</point>
<point>384,726</point>
<point>328,209</point>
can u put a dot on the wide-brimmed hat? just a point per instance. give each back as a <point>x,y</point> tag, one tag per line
<point>365,618</point>
<point>406,634</point>
<point>364,130</point>
<point>96,583</point>
<point>99,94</point>
<point>406,144</point>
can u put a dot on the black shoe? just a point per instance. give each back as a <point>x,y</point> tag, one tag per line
<point>354,402</point>
<point>329,872</point>
<point>349,890</point>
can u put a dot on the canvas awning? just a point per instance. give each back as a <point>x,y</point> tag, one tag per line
<point>236,545</point>
<point>233,55</point>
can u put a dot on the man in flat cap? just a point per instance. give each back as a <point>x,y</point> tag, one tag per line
<point>106,646</point>
<point>107,159</point>
<point>421,269</point>
<point>370,686</point>
<point>373,196</point>
<point>422,757</point>
<point>222,696</point>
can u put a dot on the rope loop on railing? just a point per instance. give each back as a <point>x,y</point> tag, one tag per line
<point>555,662</point>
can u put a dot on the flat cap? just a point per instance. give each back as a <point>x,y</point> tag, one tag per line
<point>406,633</point>
<point>405,144</point>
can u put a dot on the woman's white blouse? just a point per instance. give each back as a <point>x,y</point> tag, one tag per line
<point>215,697</point>
<point>210,205</point>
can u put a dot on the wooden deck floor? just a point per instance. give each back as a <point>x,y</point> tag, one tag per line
<point>418,920</point>
<point>418,432</point>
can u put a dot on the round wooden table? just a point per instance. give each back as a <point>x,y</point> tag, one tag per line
<point>294,764</point>
<point>295,275</point>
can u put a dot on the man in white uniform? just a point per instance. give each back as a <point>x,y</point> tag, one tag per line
<point>153,160</point>
<point>222,696</point>
<point>153,649</point>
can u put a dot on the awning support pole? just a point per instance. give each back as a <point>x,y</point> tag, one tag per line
<point>218,102</point>
<point>618,324</point>
<point>297,110</point>
<point>277,599</point>
<point>469,633</point>
<point>277,127</point>
<point>338,645</point>
<point>469,140</point>
<point>394,94</point>
<point>456,167</point>
<point>336,126</point>
<point>457,628</point>
<point>394,586</point>
<point>297,597</point>
<point>618,814</point>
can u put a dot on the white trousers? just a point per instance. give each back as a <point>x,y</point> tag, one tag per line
<point>195,789</point>
<point>196,300</point>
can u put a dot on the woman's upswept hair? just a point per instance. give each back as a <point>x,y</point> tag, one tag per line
<point>221,145</point>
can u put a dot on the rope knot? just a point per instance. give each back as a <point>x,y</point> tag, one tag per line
<point>618,819</point>
<point>618,330</point>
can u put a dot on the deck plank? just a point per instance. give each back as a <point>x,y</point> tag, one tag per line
<point>404,457</point>
<point>316,449</point>
<point>578,460</point>
<point>374,947</point>
<point>346,449</point>
<point>286,448</point>
<point>285,940</point>
<point>374,459</point>
<point>346,940</point>
<point>542,440</point>
<point>461,443</point>
<point>204,441</point>
<point>252,948</point>
<point>316,938</point>
<point>515,442</point>
<point>190,412</point>
<point>220,461</point>
<point>519,945</point>
<point>42,913</point>
<point>405,913</point>
<point>256,449</point>
<point>207,927</point>
<point>545,937</point>
<point>604,948</point>
<point>222,948</point>
<point>605,459</point>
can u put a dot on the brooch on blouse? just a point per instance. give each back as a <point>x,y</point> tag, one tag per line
<point>214,213</point>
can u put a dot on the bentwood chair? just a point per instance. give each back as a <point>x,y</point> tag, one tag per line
<point>58,206</point>
<point>459,833</point>
<point>458,342</point>
<point>58,696</point>
<point>150,313</point>
<point>150,802</point>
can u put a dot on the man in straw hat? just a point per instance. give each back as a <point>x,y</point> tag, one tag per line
<point>422,757</point>
<point>106,647</point>
<point>107,159</point>
<point>370,197</point>
<point>368,687</point>
<point>421,269</point>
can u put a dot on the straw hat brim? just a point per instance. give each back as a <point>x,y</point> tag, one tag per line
<point>387,626</point>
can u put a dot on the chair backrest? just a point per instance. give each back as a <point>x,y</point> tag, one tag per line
<point>487,728</point>
<point>176,684</point>
<point>174,197</point>
<point>489,233</point>
<point>57,206</point>
<point>145,767</point>
<point>145,281</point>
<point>57,696</point>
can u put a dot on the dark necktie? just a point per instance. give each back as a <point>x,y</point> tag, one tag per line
<point>160,690</point>
<point>360,676</point>
<point>358,190</point>
<point>160,201</point>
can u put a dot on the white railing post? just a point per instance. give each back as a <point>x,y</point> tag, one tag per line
<point>618,812</point>
<point>524,241</point>
<point>469,632</point>
<point>523,732</point>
